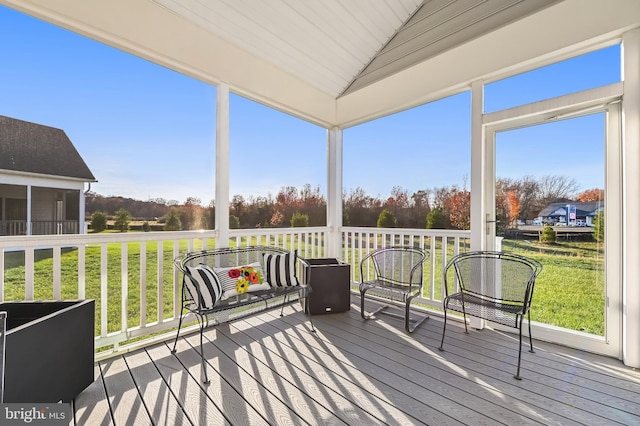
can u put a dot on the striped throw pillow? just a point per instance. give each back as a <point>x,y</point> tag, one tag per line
<point>281,269</point>
<point>201,277</point>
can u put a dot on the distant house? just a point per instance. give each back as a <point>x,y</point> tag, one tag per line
<point>42,180</point>
<point>564,212</point>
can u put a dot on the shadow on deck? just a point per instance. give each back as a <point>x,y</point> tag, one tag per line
<point>273,370</point>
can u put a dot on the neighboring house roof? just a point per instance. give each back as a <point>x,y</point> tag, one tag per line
<point>582,208</point>
<point>34,148</point>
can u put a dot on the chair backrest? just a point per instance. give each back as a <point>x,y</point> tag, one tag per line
<point>495,275</point>
<point>401,266</point>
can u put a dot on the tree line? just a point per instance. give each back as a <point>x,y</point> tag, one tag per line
<point>446,207</point>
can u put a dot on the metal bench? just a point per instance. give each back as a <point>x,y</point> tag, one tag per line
<point>494,286</point>
<point>397,276</point>
<point>232,283</point>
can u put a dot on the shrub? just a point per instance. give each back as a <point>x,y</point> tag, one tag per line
<point>234,222</point>
<point>598,227</point>
<point>123,218</point>
<point>436,219</point>
<point>386,219</point>
<point>98,221</point>
<point>548,235</point>
<point>145,226</point>
<point>172,221</point>
<point>299,220</point>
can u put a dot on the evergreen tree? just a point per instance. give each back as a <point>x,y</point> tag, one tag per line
<point>386,219</point>
<point>123,218</point>
<point>299,220</point>
<point>437,219</point>
<point>598,227</point>
<point>548,235</point>
<point>98,221</point>
<point>172,221</point>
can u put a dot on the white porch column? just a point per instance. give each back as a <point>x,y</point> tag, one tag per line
<point>480,179</point>
<point>28,209</point>
<point>334,192</point>
<point>630,198</point>
<point>478,170</point>
<point>81,213</point>
<point>222,165</point>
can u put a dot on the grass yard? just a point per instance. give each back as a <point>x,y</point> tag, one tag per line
<point>569,292</point>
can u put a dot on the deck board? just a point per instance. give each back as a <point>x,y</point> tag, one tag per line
<point>273,370</point>
<point>159,400</point>
<point>125,402</point>
<point>91,406</point>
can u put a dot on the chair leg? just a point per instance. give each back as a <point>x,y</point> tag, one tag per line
<point>530,337</point>
<point>284,302</point>
<point>175,342</point>
<point>517,376</point>
<point>444,328</point>
<point>204,363</point>
<point>408,320</point>
<point>362,311</point>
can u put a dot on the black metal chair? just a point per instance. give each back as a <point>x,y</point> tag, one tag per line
<point>494,286</point>
<point>396,274</point>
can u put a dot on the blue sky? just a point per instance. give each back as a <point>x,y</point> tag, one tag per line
<point>148,132</point>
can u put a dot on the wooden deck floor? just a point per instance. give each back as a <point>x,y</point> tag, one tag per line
<point>272,370</point>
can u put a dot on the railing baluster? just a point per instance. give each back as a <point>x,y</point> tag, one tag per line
<point>104,282</point>
<point>57,281</point>
<point>160,281</point>
<point>82,276</point>
<point>124,286</point>
<point>28,273</point>
<point>143,283</point>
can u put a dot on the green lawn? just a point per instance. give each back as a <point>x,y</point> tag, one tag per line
<point>569,292</point>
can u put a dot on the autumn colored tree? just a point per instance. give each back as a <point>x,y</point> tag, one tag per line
<point>514,207</point>
<point>192,214</point>
<point>594,194</point>
<point>277,219</point>
<point>459,207</point>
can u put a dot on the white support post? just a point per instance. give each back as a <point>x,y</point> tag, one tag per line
<point>222,165</point>
<point>631,200</point>
<point>81,213</point>
<point>28,210</point>
<point>479,179</point>
<point>334,192</point>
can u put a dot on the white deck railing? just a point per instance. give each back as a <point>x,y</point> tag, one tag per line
<point>130,275</point>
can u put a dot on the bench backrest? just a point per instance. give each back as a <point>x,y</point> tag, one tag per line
<point>494,275</point>
<point>226,257</point>
<point>397,266</point>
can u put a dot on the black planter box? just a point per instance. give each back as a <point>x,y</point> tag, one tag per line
<point>49,350</point>
<point>330,281</point>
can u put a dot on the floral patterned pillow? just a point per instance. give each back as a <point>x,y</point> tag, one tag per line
<point>241,279</point>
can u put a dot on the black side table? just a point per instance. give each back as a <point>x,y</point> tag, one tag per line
<point>330,281</point>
